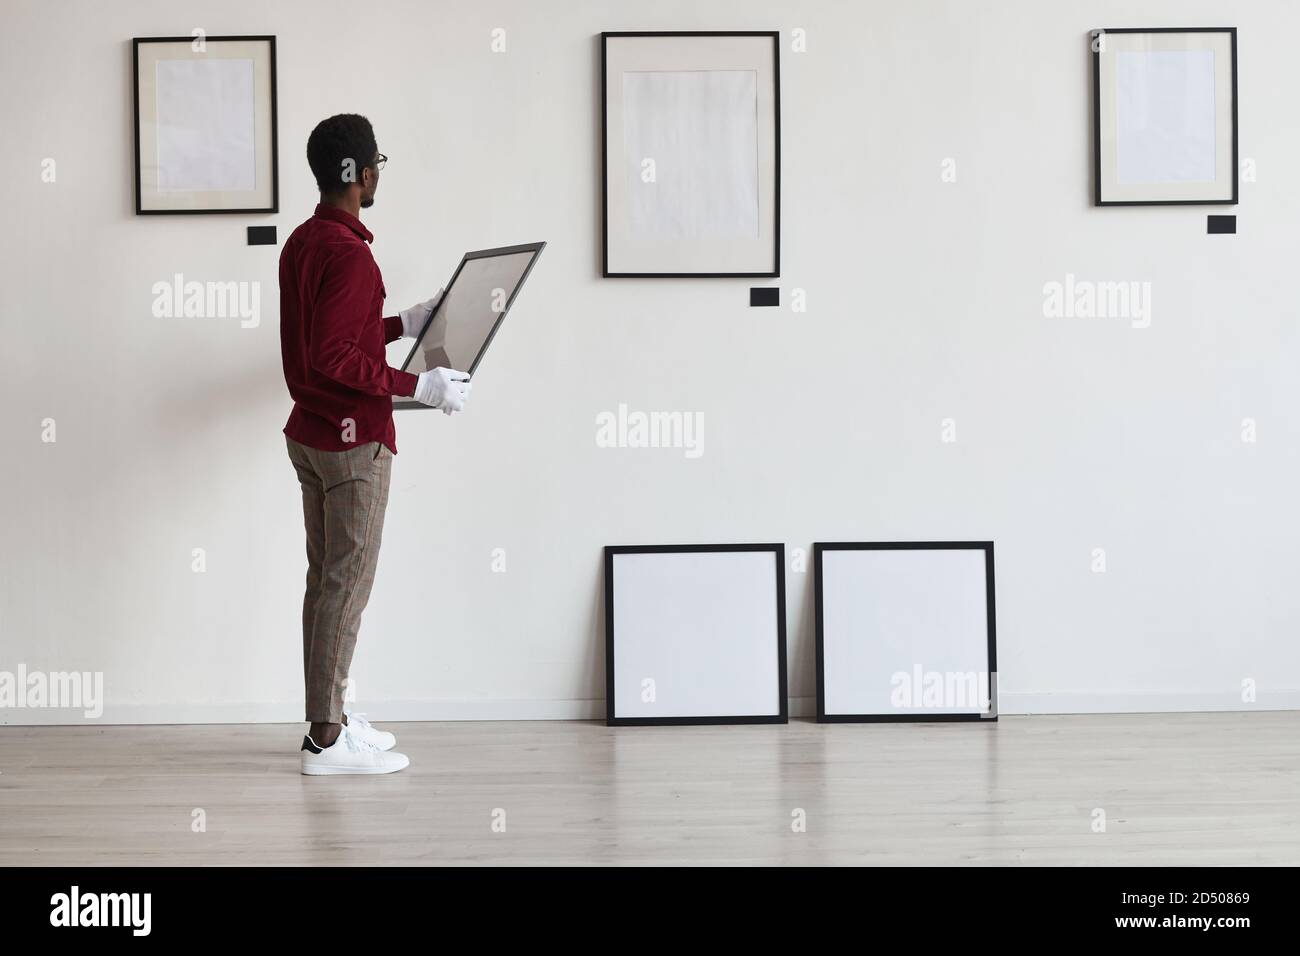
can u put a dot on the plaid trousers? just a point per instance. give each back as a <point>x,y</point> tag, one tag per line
<point>344,497</point>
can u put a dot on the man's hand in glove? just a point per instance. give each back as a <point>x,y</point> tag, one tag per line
<point>443,388</point>
<point>413,319</point>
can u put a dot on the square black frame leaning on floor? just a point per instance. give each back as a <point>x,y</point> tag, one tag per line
<point>820,547</point>
<point>1096,120</point>
<point>781,715</point>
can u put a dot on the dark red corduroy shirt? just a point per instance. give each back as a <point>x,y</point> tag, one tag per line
<point>333,333</point>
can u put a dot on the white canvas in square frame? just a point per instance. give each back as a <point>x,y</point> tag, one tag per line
<point>695,634</point>
<point>905,631</point>
<point>691,146</point>
<point>1165,116</point>
<point>205,125</point>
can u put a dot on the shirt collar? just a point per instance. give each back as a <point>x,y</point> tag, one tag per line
<point>338,215</point>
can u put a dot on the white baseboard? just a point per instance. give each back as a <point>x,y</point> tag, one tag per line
<point>594,709</point>
<point>1155,702</point>
<point>290,712</point>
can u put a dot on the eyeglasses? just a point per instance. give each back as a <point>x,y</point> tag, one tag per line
<point>380,161</point>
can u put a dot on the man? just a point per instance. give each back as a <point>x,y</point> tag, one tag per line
<point>340,434</point>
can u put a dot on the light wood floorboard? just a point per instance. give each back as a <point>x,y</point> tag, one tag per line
<point>1176,790</point>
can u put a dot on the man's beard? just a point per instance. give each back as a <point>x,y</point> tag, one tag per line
<point>367,203</point>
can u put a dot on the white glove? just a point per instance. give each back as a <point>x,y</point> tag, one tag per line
<point>443,388</point>
<point>413,319</point>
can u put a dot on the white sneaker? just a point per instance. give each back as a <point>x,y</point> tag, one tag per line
<point>349,754</point>
<point>371,734</point>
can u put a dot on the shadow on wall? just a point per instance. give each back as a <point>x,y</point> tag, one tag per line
<point>594,664</point>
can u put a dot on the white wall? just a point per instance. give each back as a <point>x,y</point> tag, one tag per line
<point>925,302</point>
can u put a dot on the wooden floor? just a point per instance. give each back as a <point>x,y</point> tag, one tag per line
<point>1175,789</point>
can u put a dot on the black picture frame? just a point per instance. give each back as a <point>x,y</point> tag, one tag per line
<point>274,207</point>
<point>605,37</point>
<point>820,547</point>
<point>782,715</point>
<point>1096,121</point>
<point>534,247</point>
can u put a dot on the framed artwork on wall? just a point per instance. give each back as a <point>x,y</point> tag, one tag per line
<point>906,631</point>
<point>1165,116</point>
<point>691,142</point>
<point>205,125</point>
<point>695,634</point>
